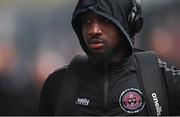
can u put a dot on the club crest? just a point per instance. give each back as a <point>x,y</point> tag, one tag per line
<point>131,100</point>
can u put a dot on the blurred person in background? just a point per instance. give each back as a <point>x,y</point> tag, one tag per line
<point>163,31</point>
<point>165,37</point>
<point>114,78</point>
<point>13,100</point>
<point>7,95</point>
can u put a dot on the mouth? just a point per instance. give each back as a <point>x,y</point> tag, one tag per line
<point>95,43</point>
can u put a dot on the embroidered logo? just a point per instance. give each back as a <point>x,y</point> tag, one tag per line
<point>131,100</point>
<point>84,101</point>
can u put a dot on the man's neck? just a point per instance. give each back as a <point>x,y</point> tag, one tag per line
<point>119,56</point>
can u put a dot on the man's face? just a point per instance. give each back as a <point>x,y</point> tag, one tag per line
<point>100,34</point>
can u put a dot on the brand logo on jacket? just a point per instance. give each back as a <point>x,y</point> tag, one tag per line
<point>82,101</point>
<point>157,105</point>
<point>131,100</point>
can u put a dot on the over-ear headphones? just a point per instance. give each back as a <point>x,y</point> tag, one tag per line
<point>135,18</point>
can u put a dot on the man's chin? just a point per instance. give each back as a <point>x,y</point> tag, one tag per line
<point>100,55</point>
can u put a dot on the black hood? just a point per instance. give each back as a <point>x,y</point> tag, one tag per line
<point>116,11</point>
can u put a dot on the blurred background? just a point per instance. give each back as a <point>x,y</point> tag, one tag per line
<point>36,38</point>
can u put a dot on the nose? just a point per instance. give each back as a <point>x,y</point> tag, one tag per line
<point>95,29</point>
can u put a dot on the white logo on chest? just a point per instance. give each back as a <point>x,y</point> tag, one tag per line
<point>84,101</point>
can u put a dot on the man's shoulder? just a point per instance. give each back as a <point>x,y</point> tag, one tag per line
<point>75,63</point>
<point>55,78</point>
<point>57,73</point>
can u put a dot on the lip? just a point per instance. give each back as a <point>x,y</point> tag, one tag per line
<point>95,43</point>
<point>95,40</point>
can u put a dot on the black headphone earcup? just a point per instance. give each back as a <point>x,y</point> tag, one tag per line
<point>137,24</point>
<point>135,18</point>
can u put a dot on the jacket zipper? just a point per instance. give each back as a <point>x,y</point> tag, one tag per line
<point>106,85</point>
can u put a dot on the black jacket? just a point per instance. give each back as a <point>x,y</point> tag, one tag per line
<point>101,95</point>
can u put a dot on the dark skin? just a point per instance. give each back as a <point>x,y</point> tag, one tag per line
<point>102,36</point>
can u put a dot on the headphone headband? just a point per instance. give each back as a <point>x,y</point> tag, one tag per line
<point>137,5</point>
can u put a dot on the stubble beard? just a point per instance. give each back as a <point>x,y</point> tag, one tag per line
<point>108,53</point>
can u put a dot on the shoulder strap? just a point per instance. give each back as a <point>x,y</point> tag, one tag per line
<point>68,91</point>
<point>152,83</point>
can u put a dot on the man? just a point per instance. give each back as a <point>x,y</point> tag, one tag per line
<point>110,83</point>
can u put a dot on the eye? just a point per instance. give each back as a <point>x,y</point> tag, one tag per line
<point>86,21</point>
